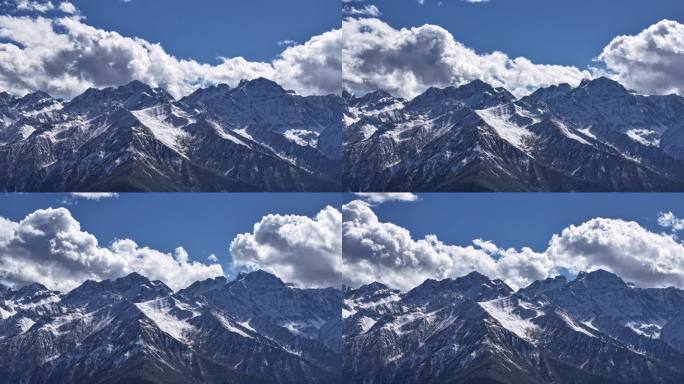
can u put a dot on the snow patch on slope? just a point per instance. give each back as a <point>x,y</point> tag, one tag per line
<point>159,312</point>
<point>502,311</point>
<point>569,133</point>
<point>644,136</point>
<point>574,326</point>
<point>650,330</point>
<point>230,327</point>
<point>504,127</point>
<point>302,137</point>
<point>154,119</point>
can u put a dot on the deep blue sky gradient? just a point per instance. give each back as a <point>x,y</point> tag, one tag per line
<point>520,219</point>
<point>206,29</point>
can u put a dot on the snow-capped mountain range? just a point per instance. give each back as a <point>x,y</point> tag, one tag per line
<point>254,137</point>
<point>597,136</point>
<point>593,329</point>
<point>254,329</point>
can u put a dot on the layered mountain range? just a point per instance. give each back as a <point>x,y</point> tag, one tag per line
<point>597,136</point>
<point>254,137</point>
<point>254,329</point>
<point>593,329</point>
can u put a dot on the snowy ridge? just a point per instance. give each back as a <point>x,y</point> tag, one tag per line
<point>137,138</point>
<point>594,326</point>
<point>502,311</point>
<point>100,329</point>
<point>595,137</point>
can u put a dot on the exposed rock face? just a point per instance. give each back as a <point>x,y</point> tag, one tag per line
<point>255,137</point>
<point>252,330</point>
<point>596,137</point>
<point>594,329</point>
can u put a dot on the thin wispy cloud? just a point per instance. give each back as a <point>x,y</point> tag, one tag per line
<point>286,43</point>
<point>95,196</point>
<point>380,198</point>
<point>360,10</point>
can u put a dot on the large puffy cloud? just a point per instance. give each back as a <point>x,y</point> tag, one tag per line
<point>380,251</point>
<point>62,55</point>
<point>299,249</point>
<point>623,247</point>
<point>650,62</point>
<point>48,246</point>
<point>407,61</point>
<point>385,252</point>
<point>314,67</point>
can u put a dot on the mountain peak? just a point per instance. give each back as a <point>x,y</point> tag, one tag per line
<point>346,95</point>
<point>541,286</point>
<point>132,278</point>
<point>203,286</point>
<point>135,85</point>
<point>474,276</point>
<point>370,289</point>
<point>34,100</point>
<point>375,95</point>
<point>476,94</point>
<point>258,279</point>
<point>260,86</point>
<point>474,286</point>
<point>31,289</point>
<point>603,85</point>
<point>476,85</point>
<point>375,286</point>
<point>35,96</point>
<point>598,279</point>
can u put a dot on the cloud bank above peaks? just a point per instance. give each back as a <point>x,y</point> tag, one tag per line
<point>61,54</point>
<point>388,253</point>
<point>652,61</point>
<point>48,246</point>
<point>407,61</point>
<point>305,251</point>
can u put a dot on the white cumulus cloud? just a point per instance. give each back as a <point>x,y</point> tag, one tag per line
<point>49,246</point>
<point>407,61</point>
<point>62,55</point>
<point>385,252</point>
<point>669,220</point>
<point>302,250</point>
<point>651,61</point>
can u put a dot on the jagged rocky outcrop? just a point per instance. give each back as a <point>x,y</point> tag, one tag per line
<point>255,329</point>
<point>254,137</point>
<point>593,329</point>
<point>598,136</point>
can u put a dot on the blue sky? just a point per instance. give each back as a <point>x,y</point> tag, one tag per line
<point>548,32</point>
<point>517,220</point>
<point>206,29</point>
<point>203,223</point>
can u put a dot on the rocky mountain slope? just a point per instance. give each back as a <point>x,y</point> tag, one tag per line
<point>255,137</point>
<point>255,329</point>
<point>593,329</point>
<point>596,137</point>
